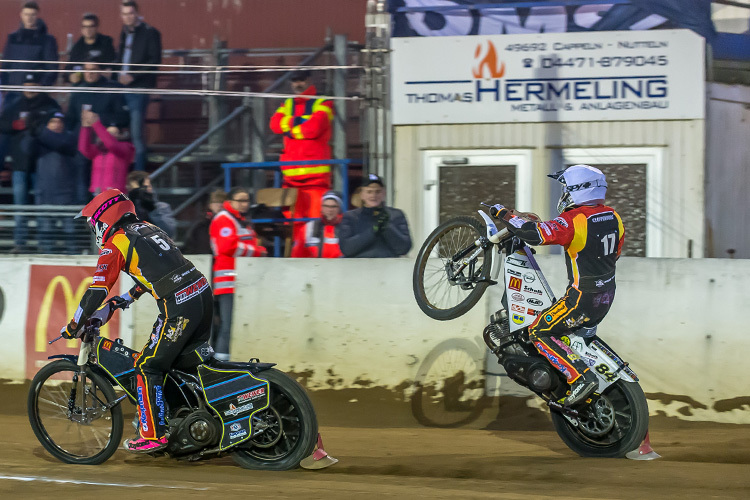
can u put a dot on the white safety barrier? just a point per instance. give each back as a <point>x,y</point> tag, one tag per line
<point>354,323</point>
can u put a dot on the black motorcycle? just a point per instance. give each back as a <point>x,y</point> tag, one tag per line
<point>259,415</point>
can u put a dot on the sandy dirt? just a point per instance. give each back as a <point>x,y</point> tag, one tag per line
<point>509,451</point>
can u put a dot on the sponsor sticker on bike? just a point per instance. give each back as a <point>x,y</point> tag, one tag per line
<point>517,308</point>
<point>515,284</point>
<point>529,278</point>
<point>517,297</point>
<point>529,289</point>
<point>534,301</point>
<point>236,410</point>
<point>252,395</point>
<point>519,319</point>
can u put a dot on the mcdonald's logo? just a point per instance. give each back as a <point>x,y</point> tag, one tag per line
<point>60,289</point>
<point>515,283</point>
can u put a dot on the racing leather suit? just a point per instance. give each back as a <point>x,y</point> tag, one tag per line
<point>183,296</point>
<point>592,238</point>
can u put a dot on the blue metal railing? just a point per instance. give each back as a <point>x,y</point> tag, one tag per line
<point>276,166</point>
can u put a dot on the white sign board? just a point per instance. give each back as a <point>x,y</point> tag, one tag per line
<point>553,77</point>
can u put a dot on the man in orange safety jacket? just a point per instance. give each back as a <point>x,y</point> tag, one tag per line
<point>305,123</point>
<point>231,237</point>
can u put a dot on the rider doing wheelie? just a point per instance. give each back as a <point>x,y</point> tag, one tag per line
<point>592,235</point>
<point>183,295</point>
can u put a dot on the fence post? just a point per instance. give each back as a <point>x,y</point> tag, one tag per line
<point>339,116</point>
<point>258,142</point>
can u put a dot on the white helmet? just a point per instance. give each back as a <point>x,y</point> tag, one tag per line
<point>581,185</point>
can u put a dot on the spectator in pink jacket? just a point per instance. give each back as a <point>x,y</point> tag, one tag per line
<point>111,152</point>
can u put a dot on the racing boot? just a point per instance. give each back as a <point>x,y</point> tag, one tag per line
<point>143,445</point>
<point>582,388</point>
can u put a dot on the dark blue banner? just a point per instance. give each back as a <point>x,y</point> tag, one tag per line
<point>492,17</point>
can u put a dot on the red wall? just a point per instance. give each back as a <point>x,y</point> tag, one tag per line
<point>186,24</point>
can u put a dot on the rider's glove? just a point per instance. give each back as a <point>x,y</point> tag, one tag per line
<point>498,211</point>
<point>118,302</point>
<point>70,331</point>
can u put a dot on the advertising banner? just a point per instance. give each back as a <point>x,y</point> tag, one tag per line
<point>54,295</point>
<point>500,17</point>
<point>553,77</point>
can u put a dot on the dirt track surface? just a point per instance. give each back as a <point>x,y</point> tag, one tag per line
<point>509,452</point>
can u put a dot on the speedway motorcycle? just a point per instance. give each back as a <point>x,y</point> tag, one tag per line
<point>260,416</point>
<point>456,264</point>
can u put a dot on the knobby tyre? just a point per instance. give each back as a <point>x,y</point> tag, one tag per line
<point>437,296</point>
<point>291,427</point>
<point>610,426</point>
<point>69,419</point>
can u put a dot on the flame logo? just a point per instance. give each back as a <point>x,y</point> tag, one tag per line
<point>489,61</point>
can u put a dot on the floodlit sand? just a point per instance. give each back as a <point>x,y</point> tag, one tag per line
<point>509,451</point>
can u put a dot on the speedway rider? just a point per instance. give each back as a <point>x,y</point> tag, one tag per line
<point>591,234</point>
<point>183,295</point>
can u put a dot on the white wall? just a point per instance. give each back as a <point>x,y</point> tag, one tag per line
<point>681,176</point>
<point>352,323</point>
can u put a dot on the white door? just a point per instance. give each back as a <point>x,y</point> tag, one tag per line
<point>456,181</point>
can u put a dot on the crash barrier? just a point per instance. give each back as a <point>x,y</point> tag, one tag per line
<point>354,324</point>
<point>44,229</point>
<point>275,166</point>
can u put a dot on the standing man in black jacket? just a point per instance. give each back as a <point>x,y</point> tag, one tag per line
<point>30,42</point>
<point>140,43</point>
<point>92,46</point>
<point>374,230</point>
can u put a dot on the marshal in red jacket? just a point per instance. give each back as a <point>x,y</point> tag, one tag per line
<point>231,237</point>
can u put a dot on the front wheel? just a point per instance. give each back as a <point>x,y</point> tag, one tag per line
<point>289,427</point>
<point>69,413</point>
<point>610,426</point>
<point>445,287</point>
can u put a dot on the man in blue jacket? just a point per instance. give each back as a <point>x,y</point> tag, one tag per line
<point>30,42</point>
<point>374,230</point>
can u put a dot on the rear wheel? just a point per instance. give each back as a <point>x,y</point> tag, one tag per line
<point>290,427</point>
<point>610,426</point>
<point>445,289</point>
<point>68,413</point>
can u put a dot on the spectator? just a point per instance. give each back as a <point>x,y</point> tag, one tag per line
<point>147,207</point>
<point>319,237</point>
<point>109,106</point>
<point>231,237</point>
<point>30,42</point>
<point>55,184</point>
<point>16,121</point>
<point>111,154</point>
<point>197,240</point>
<point>92,46</point>
<point>374,230</point>
<point>139,44</point>
<point>305,123</point>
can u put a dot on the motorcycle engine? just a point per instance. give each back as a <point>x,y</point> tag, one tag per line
<point>192,430</point>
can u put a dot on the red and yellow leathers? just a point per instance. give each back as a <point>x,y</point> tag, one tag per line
<point>231,237</point>
<point>592,237</point>
<point>319,239</point>
<point>182,294</point>
<point>305,123</point>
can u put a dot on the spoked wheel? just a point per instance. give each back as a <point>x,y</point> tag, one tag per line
<point>289,427</point>
<point>69,415</point>
<point>449,386</point>
<point>610,426</point>
<point>445,287</point>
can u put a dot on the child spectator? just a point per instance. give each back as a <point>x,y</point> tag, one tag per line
<point>111,154</point>
<point>319,237</point>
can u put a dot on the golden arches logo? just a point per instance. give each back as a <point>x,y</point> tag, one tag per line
<point>71,304</point>
<point>488,62</point>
